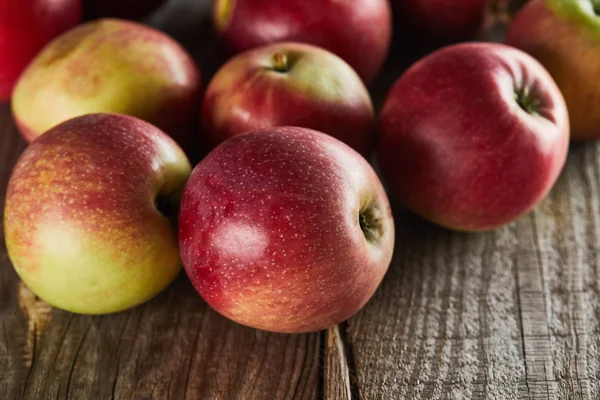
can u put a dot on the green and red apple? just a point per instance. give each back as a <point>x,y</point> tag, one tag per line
<point>289,84</point>
<point>87,213</point>
<point>473,136</point>
<point>285,229</point>
<point>109,66</point>
<point>565,37</point>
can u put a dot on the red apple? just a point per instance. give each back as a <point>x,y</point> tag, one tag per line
<point>359,31</point>
<point>289,84</point>
<point>81,223</point>
<point>129,9</point>
<point>25,27</point>
<point>473,136</point>
<point>285,229</point>
<point>112,66</point>
<point>565,37</point>
<point>440,20</point>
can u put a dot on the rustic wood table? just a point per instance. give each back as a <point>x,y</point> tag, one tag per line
<point>510,314</point>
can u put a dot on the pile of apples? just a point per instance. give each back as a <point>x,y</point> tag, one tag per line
<point>284,225</point>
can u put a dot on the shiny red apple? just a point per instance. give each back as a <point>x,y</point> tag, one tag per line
<point>473,136</point>
<point>25,27</point>
<point>289,84</point>
<point>359,31</point>
<point>285,229</point>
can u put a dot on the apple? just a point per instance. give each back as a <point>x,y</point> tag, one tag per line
<point>473,136</point>
<point>84,222</point>
<point>285,229</point>
<point>440,20</point>
<point>111,66</point>
<point>128,9</point>
<point>289,84</point>
<point>565,37</point>
<point>359,31</point>
<point>25,27</point>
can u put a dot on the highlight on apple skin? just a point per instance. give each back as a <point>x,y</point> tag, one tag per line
<point>359,31</point>
<point>25,27</point>
<point>289,84</point>
<point>565,37</point>
<point>109,66</point>
<point>82,226</point>
<point>473,136</point>
<point>285,229</point>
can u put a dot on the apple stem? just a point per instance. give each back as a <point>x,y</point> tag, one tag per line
<point>280,62</point>
<point>370,224</point>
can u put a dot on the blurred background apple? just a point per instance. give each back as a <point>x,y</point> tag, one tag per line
<point>359,31</point>
<point>25,27</point>
<point>112,66</point>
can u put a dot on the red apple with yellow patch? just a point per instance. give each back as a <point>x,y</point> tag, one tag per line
<point>285,229</point>
<point>85,221</point>
<point>111,66</point>
<point>289,84</point>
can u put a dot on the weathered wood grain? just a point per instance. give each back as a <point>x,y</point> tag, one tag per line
<point>510,314</point>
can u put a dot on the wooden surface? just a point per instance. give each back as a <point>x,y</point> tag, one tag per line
<point>510,314</point>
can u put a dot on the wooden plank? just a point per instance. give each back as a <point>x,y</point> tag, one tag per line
<point>504,315</point>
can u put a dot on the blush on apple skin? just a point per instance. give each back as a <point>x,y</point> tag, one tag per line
<point>81,224</point>
<point>112,66</point>
<point>285,229</point>
<point>473,136</point>
<point>25,27</point>
<point>359,31</point>
<point>289,84</point>
<point>565,38</point>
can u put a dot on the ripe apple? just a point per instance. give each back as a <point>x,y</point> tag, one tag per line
<point>289,84</point>
<point>359,31</point>
<point>128,9</point>
<point>565,37</point>
<point>285,229</point>
<point>473,136</point>
<point>112,66</point>
<point>25,27</point>
<point>440,20</point>
<point>84,219</point>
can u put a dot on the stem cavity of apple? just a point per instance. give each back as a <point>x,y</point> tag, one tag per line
<point>527,101</point>
<point>370,223</point>
<point>280,62</point>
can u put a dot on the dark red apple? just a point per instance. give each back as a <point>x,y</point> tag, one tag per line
<point>440,20</point>
<point>25,27</point>
<point>359,31</point>
<point>289,84</point>
<point>285,229</point>
<point>129,9</point>
<point>473,136</point>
